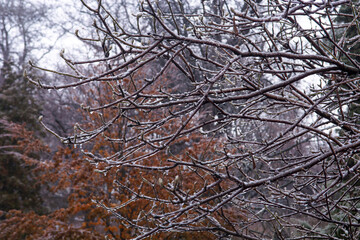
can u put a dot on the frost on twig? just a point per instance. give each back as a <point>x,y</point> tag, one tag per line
<point>220,127</point>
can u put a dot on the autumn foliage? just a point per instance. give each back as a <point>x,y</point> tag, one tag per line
<point>105,199</point>
<point>127,194</point>
<point>216,119</point>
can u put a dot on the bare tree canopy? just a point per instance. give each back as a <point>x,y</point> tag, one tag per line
<point>237,119</point>
<point>21,23</point>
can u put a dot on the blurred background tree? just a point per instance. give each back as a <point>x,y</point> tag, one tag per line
<point>20,23</point>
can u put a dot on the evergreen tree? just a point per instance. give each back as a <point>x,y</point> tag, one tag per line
<point>350,54</point>
<point>21,25</point>
<point>348,36</point>
<point>17,103</point>
<point>18,187</point>
<point>350,42</point>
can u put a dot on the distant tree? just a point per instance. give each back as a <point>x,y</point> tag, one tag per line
<point>179,168</point>
<point>348,40</point>
<point>19,189</point>
<point>21,23</point>
<point>17,100</point>
<point>18,186</point>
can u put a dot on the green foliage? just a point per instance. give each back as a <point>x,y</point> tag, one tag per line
<point>351,32</point>
<point>340,232</point>
<point>18,188</point>
<point>17,103</point>
<point>351,46</point>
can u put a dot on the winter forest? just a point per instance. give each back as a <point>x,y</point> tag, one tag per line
<point>179,119</point>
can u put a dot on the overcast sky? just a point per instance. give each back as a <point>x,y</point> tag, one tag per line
<point>61,14</point>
